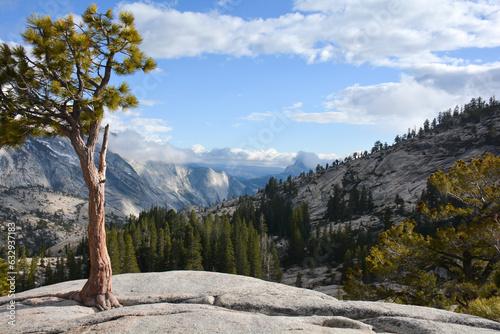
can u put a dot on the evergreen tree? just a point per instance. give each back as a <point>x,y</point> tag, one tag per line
<point>335,206</point>
<point>296,248</point>
<point>167,253</point>
<point>120,237</point>
<point>4,284</point>
<point>225,251</point>
<point>346,264</point>
<point>62,87</point>
<point>48,274</point>
<point>467,251</point>
<point>31,280</point>
<point>74,271</point>
<point>160,251</point>
<point>178,254</point>
<point>129,260</point>
<point>114,250</point>
<point>193,260</point>
<point>23,271</point>
<point>240,239</point>
<point>207,243</point>
<point>60,273</point>
<point>353,204</point>
<point>254,254</point>
<point>400,204</point>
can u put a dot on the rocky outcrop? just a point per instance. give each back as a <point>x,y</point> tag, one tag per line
<point>205,302</point>
<point>401,169</point>
<point>131,186</point>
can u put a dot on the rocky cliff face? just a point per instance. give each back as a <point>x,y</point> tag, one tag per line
<point>401,169</point>
<point>131,187</point>
<point>43,191</point>
<point>205,302</point>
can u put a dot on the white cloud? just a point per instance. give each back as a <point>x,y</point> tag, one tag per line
<point>197,148</point>
<point>320,30</point>
<point>413,36</point>
<point>149,103</point>
<point>153,129</point>
<point>237,156</point>
<point>397,105</point>
<point>169,33</point>
<point>259,116</point>
<point>133,146</point>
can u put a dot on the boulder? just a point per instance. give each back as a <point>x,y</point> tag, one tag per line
<point>207,302</point>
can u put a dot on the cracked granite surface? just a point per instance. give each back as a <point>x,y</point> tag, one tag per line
<point>206,302</point>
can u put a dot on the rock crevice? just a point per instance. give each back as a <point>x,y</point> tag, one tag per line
<point>205,302</point>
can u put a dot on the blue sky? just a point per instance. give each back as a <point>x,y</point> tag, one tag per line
<point>255,82</point>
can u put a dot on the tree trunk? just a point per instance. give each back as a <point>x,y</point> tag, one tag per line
<point>97,292</point>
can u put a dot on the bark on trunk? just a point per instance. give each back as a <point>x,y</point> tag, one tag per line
<point>97,292</point>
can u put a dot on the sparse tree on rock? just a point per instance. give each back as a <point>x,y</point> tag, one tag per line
<point>62,88</point>
<point>468,250</point>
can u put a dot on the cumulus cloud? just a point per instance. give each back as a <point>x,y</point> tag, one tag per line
<point>132,145</point>
<point>169,33</point>
<point>259,116</point>
<point>397,104</point>
<point>412,36</point>
<point>153,129</point>
<point>431,88</point>
<point>318,30</point>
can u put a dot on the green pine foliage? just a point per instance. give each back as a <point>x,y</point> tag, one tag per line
<point>23,270</point>
<point>192,260</point>
<point>456,262</point>
<point>129,258</point>
<point>48,274</point>
<point>114,251</point>
<point>345,205</point>
<point>160,240</point>
<point>4,284</point>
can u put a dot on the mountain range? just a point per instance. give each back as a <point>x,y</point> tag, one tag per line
<point>132,185</point>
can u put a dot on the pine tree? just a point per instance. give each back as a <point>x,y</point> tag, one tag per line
<point>468,251</point>
<point>129,260</point>
<point>296,248</point>
<point>74,271</point>
<point>120,237</point>
<point>114,250</point>
<point>48,274</point>
<point>193,260</point>
<point>275,273</point>
<point>346,264</point>
<point>4,285</point>
<point>241,241</point>
<point>60,273</point>
<point>167,252</point>
<point>23,271</point>
<point>178,254</point>
<point>225,251</point>
<point>62,87</point>
<point>254,255</point>
<point>160,251</point>
<point>31,281</point>
<point>207,243</point>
